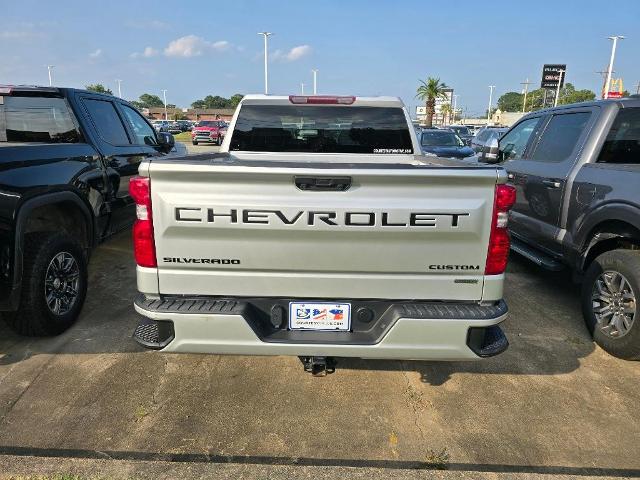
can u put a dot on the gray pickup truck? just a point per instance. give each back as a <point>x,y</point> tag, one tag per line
<point>320,231</point>
<point>576,169</point>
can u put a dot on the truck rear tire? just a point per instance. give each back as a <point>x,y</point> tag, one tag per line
<point>610,294</point>
<point>54,285</point>
<point>194,142</point>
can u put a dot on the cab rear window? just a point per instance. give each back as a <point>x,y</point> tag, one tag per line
<point>623,141</point>
<point>37,119</point>
<point>326,129</point>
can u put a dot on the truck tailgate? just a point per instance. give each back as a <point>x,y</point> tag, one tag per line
<point>400,233</point>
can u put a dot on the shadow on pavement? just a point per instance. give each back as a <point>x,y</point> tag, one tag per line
<point>544,328</point>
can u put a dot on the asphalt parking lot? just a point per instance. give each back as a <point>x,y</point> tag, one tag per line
<point>92,401</point>
<point>201,148</point>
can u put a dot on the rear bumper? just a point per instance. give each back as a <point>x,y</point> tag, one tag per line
<point>408,331</point>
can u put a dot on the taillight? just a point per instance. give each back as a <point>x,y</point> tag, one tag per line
<point>321,100</point>
<point>499,240</point>
<point>144,248</point>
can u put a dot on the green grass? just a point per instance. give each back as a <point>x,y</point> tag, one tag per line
<point>183,137</point>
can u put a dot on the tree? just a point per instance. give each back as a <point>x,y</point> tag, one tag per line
<point>148,101</point>
<point>568,94</point>
<point>235,100</point>
<point>511,102</point>
<point>445,110</point>
<point>217,101</point>
<point>428,92</point>
<point>98,88</point>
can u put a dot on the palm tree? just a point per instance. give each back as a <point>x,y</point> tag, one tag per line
<point>428,92</point>
<point>445,110</point>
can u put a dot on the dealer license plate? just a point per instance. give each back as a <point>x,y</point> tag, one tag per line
<point>319,316</point>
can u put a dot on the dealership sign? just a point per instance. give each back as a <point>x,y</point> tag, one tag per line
<point>552,74</point>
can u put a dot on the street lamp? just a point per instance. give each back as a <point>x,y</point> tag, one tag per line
<point>315,81</point>
<point>302,89</point>
<point>119,87</point>
<point>615,39</point>
<point>491,87</point>
<point>555,102</point>
<point>455,105</point>
<point>49,68</point>
<point>164,96</point>
<point>266,67</point>
<point>526,84</point>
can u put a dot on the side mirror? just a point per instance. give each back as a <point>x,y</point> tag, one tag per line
<point>491,151</point>
<point>166,141</point>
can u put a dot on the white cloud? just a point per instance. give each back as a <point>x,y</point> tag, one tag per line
<point>221,45</point>
<point>194,46</point>
<point>96,54</point>
<point>19,34</point>
<point>148,52</point>
<point>296,53</point>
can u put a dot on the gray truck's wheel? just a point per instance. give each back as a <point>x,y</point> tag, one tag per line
<point>54,285</point>
<point>610,295</point>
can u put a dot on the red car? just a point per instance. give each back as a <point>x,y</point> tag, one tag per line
<point>209,131</point>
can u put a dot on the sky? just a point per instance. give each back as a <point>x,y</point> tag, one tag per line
<point>198,48</point>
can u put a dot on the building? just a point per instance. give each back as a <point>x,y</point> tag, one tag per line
<point>506,118</point>
<point>438,118</point>
<point>196,114</point>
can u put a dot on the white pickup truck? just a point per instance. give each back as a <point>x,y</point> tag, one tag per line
<point>320,231</point>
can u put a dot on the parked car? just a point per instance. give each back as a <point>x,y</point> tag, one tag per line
<point>175,128</point>
<point>576,169</point>
<point>444,143</point>
<point>66,158</point>
<point>284,243</point>
<point>160,125</point>
<point>485,143</point>
<point>209,131</point>
<point>463,132</point>
<point>185,125</point>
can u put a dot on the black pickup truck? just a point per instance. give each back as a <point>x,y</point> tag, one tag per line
<point>66,156</point>
<point>576,169</point>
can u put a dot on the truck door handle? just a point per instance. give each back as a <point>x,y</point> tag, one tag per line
<point>551,183</point>
<point>323,184</point>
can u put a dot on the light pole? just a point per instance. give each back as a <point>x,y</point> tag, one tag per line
<point>302,88</point>
<point>615,39</point>
<point>526,84</point>
<point>49,68</point>
<point>164,96</point>
<point>455,104</point>
<point>491,87</point>
<point>555,102</point>
<point>315,81</point>
<point>266,67</point>
<point>119,87</point>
